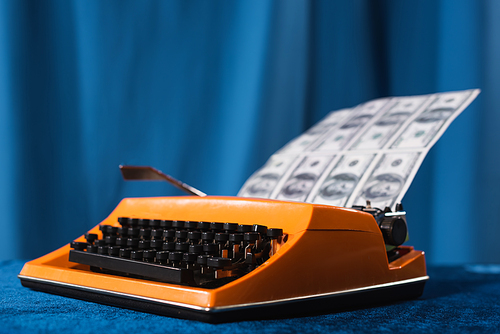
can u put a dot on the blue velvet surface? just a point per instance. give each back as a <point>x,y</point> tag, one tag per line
<point>456,299</point>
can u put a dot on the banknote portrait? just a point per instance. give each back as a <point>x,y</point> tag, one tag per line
<point>299,185</point>
<point>339,186</point>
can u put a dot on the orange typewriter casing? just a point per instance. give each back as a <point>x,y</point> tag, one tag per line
<point>333,259</point>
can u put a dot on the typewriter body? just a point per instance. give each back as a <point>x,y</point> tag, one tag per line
<point>250,258</point>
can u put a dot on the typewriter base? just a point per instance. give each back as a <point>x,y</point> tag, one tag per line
<point>304,306</point>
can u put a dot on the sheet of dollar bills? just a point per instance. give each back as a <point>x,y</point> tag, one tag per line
<point>369,152</point>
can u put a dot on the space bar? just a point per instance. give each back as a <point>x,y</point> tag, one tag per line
<point>146,270</point>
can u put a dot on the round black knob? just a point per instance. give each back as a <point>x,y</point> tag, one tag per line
<point>90,237</point>
<point>244,228</point>
<point>203,225</point>
<point>181,234</point>
<point>144,244</point>
<point>207,236</point>
<point>133,232</point>
<point>194,235</point>
<point>178,224</point>
<point>230,227</point>
<point>123,221</point>
<point>394,230</point>
<point>259,228</point>
<point>175,256</point>
<point>136,255</point>
<point>92,249</point>
<point>114,250</point>
<point>156,243</point>
<point>274,233</point>
<point>168,246</point>
<point>121,242</point>
<point>221,237</point>
<point>195,249</point>
<point>236,238</point>
<point>165,223</point>
<point>210,248</point>
<point>169,234</point>
<point>202,259</point>
<point>144,232</point>
<point>191,225</point>
<point>162,256</point>
<point>251,236</point>
<point>157,233</point>
<point>189,257</point>
<point>216,226</point>
<point>132,242</point>
<point>125,252</point>
<point>182,246</point>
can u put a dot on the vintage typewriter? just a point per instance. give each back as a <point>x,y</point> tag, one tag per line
<point>220,259</point>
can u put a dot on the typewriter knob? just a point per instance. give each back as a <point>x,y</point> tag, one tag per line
<point>274,233</point>
<point>394,230</point>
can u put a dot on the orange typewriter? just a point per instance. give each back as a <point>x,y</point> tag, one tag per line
<point>220,259</point>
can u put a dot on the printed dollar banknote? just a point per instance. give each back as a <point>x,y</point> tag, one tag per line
<point>368,152</point>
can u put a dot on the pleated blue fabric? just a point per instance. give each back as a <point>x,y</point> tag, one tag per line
<point>206,91</point>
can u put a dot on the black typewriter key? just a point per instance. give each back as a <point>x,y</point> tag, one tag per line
<point>91,237</point>
<point>144,232</point>
<point>112,229</point>
<point>194,236</point>
<point>110,239</point>
<point>78,245</point>
<point>102,250</point>
<point>203,226</point>
<point>181,234</point>
<point>169,234</point>
<point>236,238</point>
<point>132,242</point>
<point>122,231</point>
<point>216,226</point>
<point>114,250</point>
<point>178,224</point>
<point>182,246</point>
<point>144,244</point>
<point>100,242</point>
<point>136,255</point>
<point>274,233</point>
<point>169,246</point>
<point>230,227</point>
<point>134,222</point>
<point>133,232</point>
<point>244,228</point>
<point>251,237</point>
<point>143,223</point>
<point>175,256</point>
<point>218,262</point>
<point>259,229</point>
<point>154,223</point>
<point>211,248</point>
<point>207,236</point>
<point>195,249</point>
<point>121,242</point>
<point>104,229</point>
<point>202,259</point>
<point>156,243</point>
<point>149,255</point>
<point>191,225</point>
<point>221,237</point>
<point>165,224</point>
<point>123,221</point>
<point>156,233</point>
<point>92,248</point>
<point>189,257</point>
<point>125,252</point>
<point>162,256</point>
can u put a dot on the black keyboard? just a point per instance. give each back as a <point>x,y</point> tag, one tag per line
<point>204,254</point>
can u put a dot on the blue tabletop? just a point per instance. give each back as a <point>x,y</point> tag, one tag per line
<point>456,299</point>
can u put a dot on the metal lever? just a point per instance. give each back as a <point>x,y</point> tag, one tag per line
<point>146,173</point>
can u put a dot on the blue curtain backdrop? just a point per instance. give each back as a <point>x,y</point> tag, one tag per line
<point>207,90</point>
